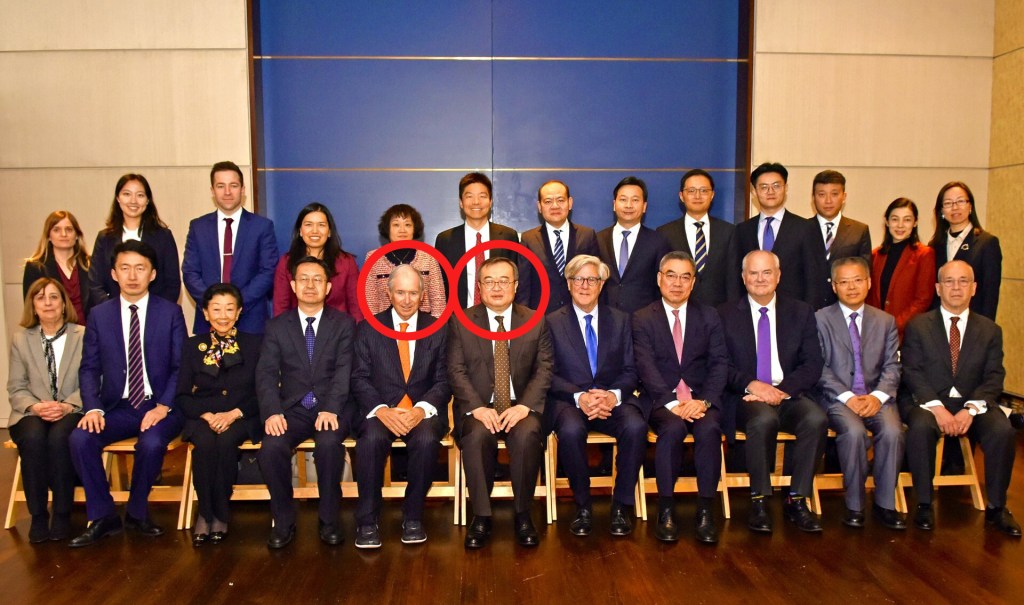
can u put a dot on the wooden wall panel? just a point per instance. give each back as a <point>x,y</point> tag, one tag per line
<point>1007,109</point>
<point>1009,26</point>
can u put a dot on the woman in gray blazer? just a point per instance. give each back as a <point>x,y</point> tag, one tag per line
<point>46,404</point>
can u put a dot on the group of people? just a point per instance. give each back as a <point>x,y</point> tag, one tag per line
<point>699,327</point>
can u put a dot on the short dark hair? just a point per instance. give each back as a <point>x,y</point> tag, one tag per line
<point>678,255</point>
<point>553,181</point>
<point>227,167</point>
<point>696,172</point>
<point>769,167</point>
<point>494,260</point>
<point>475,177</point>
<point>400,211</point>
<point>860,261</point>
<point>829,177</point>
<point>136,246</point>
<point>218,289</point>
<point>630,180</point>
<point>309,260</point>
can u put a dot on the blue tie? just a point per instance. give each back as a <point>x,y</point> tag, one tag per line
<point>768,241</point>
<point>858,386</point>
<point>309,400</point>
<point>623,253</point>
<point>764,347</point>
<point>591,344</point>
<point>559,253</point>
<point>701,253</point>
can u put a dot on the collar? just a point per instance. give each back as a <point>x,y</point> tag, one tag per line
<point>835,221</point>
<point>396,320</point>
<point>316,316</point>
<point>669,308</point>
<point>778,216</point>
<point>847,310</point>
<point>237,216</point>
<point>580,314</point>
<point>142,303</point>
<point>756,306</point>
<point>692,222</point>
<point>946,315</point>
<point>506,316</point>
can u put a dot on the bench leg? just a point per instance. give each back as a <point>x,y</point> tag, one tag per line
<point>724,490</point>
<point>15,489</point>
<point>185,504</point>
<point>971,470</point>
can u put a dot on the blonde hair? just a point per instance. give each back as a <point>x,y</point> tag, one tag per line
<point>45,248</point>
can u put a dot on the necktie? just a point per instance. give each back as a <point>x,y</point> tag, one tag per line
<point>701,252</point>
<point>623,253</point>
<point>228,252</point>
<point>51,360</point>
<point>764,348</point>
<point>858,387</point>
<point>768,241</point>
<point>954,343</point>
<point>309,400</point>
<point>591,344</point>
<point>502,371</point>
<point>829,236</point>
<point>136,380</point>
<point>682,391</point>
<point>406,359</point>
<point>479,260</point>
<point>559,253</point>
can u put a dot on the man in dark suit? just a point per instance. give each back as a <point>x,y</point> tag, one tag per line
<point>128,377</point>
<point>708,240</point>
<point>302,384</point>
<point>843,237</point>
<point>555,242</point>
<point>499,386</point>
<point>592,389</point>
<point>683,366</point>
<point>475,204</point>
<point>772,376</point>
<point>231,245</point>
<point>793,239</point>
<point>953,369</point>
<point>401,390</point>
<point>857,389</point>
<point>631,249</point>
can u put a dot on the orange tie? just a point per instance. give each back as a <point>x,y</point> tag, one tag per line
<point>403,355</point>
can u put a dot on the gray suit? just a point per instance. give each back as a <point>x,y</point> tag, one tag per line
<point>28,382</point>
<point>879,344</point>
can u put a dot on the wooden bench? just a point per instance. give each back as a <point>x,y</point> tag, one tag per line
<point>684,485</point>
<point>834,481</point>
<point>968,478</point>
<point>777,478</point>
<point>503,489</point>
<point>593,438</point>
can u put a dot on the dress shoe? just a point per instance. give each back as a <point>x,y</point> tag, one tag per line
<point>216,537</point>
<point>758,519</point>
<point>281,536</point>
<point>854,519</point>
<point>39,531</point>
<point>526,533</point>
<point>796,511</point>
<point>60,527</point>
<point>667,530</point>
<point>478,533</point>
<point>330,534</point>
<point>924,518</point>
<point>583,522</point>
<point>1002,519</point>
<point>146,527</point>
<point>705,529</point>
<point>368,536</point>
<point>107,526</point>
<point>889,518</point>
<point>413,532</point>
<point>621,523</point>
<point>199,539</point>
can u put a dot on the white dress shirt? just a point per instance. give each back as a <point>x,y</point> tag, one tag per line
<point>563,234</point>
<point>824,228</point>
<point>429,411</point>
<point>690,226</point>
<point>129,234</point>
<point>755,314</point>
<point>126,322</point>
<point>617,240</point>
<point>953,244</point>
<point>962,326</point>
<point>485,236</point>
<point>846,395</point>
<point>581,319</point>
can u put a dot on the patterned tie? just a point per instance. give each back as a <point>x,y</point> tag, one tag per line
<point>954,343</point>
<point>406,359</point>
<point>701,252</point>
<point>768,241</point>
<point>309,400</point>
<point>228,252</point>
<point>559,253</point>
<point>829,236</point>
<point>764,348</point>
<point>136,379</point>
<point>502,371</point>
<point>51,360</point>
<point>623,253</point>
<point>591,344</point>
<point>858,386</point>
<point>479,260</point>
<point>682,390</point>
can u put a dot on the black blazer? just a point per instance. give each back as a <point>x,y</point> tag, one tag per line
<point>167,284</point>
<point>638,287</point>
<point>720,281</point>
<point>581,240</point>
<point>377,373</point>
<point>981,250</point>
<point>800,249</point>
<point>798,350</point>
<point>452,244</point>
<point>203,388</point>
<point>34,271</point>
<point>705,365</point>
<point>852,238</point>
<point>284,374</point>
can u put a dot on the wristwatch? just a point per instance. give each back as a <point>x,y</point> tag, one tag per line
<point>707,404</point>
<point>973,411</point>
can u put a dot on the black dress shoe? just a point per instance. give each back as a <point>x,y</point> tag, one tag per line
<point>368,536</point>
<point>107,526</point>
<point>889,517</point>
<point>667,530</point>
<point>478,533</point>
<point>60,527</point>
<point>146,527</point>
<point>622,524</point>
<point>330,534</point>
<point>583,522</point>
<point>705,529</point>
<point>924,518</point>
<point>854,519</point>
<point>281,536</point>
<point>216,537</point>
<point>758,519</point>
<point>796,511</point>
<point>413,532</point>
<point>39,531</point>
<point>526,533</point>
<point>1002,519</point>
<point>199,539</point>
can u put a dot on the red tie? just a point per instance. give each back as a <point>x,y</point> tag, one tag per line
<point>228,247</point>
<point>954,343</point>
<point>479,260</point>
<point>683,392</point>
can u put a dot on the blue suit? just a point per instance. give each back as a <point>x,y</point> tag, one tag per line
<point>252,269</point>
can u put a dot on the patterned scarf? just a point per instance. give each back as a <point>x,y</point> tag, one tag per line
<point>222,350</point>
<point>51,363</point>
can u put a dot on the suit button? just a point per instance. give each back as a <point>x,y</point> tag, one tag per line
<point>224,392</point>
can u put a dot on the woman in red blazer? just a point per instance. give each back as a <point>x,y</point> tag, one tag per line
<point>902,268</point>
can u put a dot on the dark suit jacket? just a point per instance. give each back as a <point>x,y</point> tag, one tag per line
<point>377,376</point>
<point>452,244</point>
<point>705,365</point>
<point>104,369</point>
<point>720,281</point>
<point>800,249</point>
<point>879,349</point>
<point>638,287</point>
<point>852,238</point>
<point>208,388</point>
<point>798,351</point>
<point>981,250</point>
<point>911,287</point>
<point>90,296</point>
<point>284,374</point>
<point>471,363</point>
<point>928,368</point>
<point>167,284</point>
<point>252,266</point>
<point>581,240</point>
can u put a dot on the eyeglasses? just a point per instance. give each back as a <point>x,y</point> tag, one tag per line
<point>677,278</point>
<point>960,203</point>
<point>590,281</point>
<point>693,191</point>
<point>316,280</point>
<point>962,282</point>
<point>776,186</point>
<point>856,281</point>
<point>554,201</point>
<point>492,284</point>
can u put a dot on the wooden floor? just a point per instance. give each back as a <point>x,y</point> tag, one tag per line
<point>960,562</point>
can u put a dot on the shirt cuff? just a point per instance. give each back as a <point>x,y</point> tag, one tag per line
<point>576,397</point>
<point>844,396</point>
<point>618,396</point>
<point>373,412</point>
<point>672,404</point>
<point>880,396</point>
<point>980,404</point>
<point>429,411</point>
<point>931,404</point>
<point>98,411</point>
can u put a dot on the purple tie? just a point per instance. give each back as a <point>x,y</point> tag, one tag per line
<point>764,347</point>
<point>309,400</point>
<point>136,376</point>
<point>768,241</point>
<point>858,387</point>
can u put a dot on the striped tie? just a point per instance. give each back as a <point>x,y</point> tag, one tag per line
<point>559,253</point>
<point>829,236</point>
<point>701,252</point>
<point>136,380</point>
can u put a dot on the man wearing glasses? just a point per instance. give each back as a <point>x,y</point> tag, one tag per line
<point>499,387</point>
